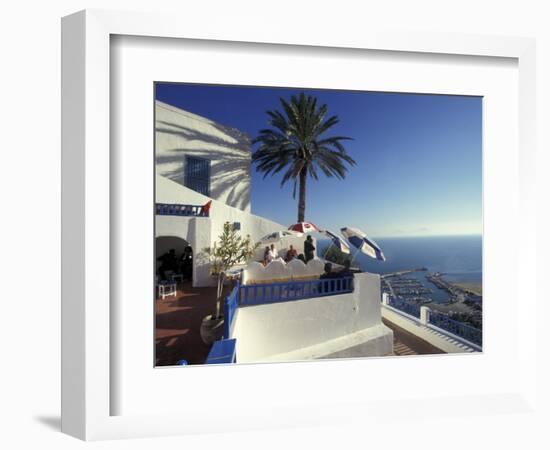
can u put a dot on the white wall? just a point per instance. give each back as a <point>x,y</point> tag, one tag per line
<point>278,269</point>
<point>180,133</point>
<point>310,328</point>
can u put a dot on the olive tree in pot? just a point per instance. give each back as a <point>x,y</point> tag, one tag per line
<point>229,250</point>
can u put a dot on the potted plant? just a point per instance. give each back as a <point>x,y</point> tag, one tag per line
<point>229,250</point>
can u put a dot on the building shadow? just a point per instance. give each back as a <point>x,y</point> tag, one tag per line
<point>227,149</point>
<point>51,422</point>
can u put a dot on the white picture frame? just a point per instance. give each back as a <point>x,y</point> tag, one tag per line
<point>87,385</point>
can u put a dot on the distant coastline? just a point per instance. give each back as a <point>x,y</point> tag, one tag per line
<point>474,288</point>
<point>457,258</point>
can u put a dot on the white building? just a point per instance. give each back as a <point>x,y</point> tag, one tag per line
<point>205,156</point>
<point>198,161</point>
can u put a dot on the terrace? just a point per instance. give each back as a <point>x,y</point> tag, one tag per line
<point>177,325</point>
<point>416,330</point>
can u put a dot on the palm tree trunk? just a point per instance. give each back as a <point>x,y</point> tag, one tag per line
<point>302,196</point>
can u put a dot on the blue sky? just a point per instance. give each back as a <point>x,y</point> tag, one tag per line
<point>418,172</point>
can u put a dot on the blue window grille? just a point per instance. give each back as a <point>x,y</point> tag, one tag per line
<point>197,175</point>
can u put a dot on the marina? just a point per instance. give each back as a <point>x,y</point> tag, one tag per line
<point>416,288</point>
<point>407,288</point>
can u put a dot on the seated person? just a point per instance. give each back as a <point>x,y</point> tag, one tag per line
<point>329,274</point>
<point>291,254</point>
<point>346,271</point>
<point>302,258</point>
<point>267,256</point>
<point>168,263</point>
<point>274,254</point>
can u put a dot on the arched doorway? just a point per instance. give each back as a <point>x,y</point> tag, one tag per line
<point>175,256</point>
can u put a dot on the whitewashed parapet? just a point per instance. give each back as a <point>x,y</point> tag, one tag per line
<point>297,268</point>
<point>278,270</point>
<point>344,325</point>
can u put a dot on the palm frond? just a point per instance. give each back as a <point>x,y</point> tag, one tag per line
<point>296,144</point>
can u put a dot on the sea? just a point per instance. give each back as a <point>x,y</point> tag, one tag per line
<point>459,258</point>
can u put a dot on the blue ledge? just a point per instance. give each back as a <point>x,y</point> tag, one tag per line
<point>223,352</point>
<point>168,209</point>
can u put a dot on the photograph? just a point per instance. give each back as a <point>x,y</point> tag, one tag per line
<point>300,224</point>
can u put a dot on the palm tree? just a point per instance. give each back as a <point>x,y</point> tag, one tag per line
<point>296,143</point>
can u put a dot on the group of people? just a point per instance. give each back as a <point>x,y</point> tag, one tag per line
<point>271,253</point>
<point>330,286</point>
<point>345,272</point>
<point>170,263</point>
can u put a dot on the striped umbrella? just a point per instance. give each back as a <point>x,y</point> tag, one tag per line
<point>277,236</point>
<point>337,241</point>
<point>360,240</point>
<point>304,227</point>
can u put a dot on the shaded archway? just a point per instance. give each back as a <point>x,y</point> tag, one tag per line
<point>178,318</point>
<point>183,256</point>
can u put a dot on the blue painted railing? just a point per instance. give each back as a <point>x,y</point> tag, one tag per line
<point>460,329</point>
<point>259,294</point>
<point>223,352</point>
<point>231,304</point>
<point>167,209</point>
<point>402,305</point>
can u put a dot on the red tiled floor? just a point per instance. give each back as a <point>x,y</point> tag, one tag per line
<point>177,325</point>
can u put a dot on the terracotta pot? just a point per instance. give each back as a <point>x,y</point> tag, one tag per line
<point>211,329</point>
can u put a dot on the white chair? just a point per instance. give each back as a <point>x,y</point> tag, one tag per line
<point>167,288</point>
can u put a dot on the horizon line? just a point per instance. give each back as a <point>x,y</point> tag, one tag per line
<point>427,235</point>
